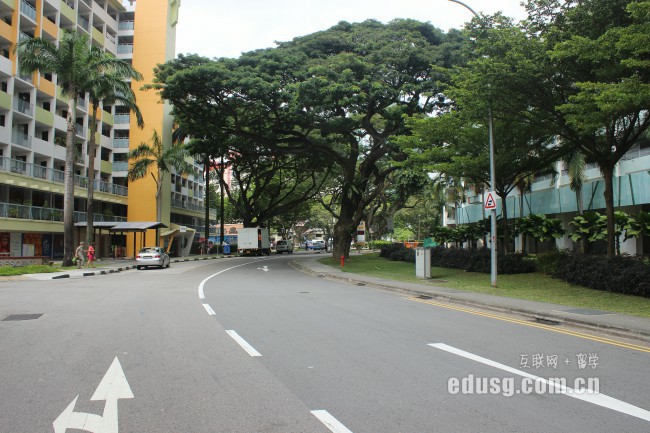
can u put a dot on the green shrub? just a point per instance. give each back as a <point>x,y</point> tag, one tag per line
<point>624,274</point>
<point>480,261</point>
<point>547,262</point>
<point>377,245</point>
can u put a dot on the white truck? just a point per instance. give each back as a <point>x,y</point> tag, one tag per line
<point>253,241</point>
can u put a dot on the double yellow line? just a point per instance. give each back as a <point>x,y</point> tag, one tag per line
<point>532,324</point>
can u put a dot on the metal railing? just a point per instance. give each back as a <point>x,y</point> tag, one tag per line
<point>21,211</point>
<point>49,174</point>
<point>186,205</point>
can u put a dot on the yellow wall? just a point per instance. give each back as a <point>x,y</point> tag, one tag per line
<point>154,43</point>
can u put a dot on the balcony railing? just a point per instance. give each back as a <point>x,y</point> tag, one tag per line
<point>28,10</point>
<point>124,48</point>
<point>122,118</point>
<point>83,23</point>
<point>21,139</point>
<point>23,106</point>
<point>44,173</point>
<point>80,130</point>
<point>125,25</point>
<point>120,166</point>
<point>121,143</point>
<point>11,210</point>
<point>186,205</point>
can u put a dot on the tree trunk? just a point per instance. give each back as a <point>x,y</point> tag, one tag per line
<point>608,174</point>
<point>342,239</point>
<point>92,149</point>
<point>68,189</point>
<point>222,217</point>
<point>206,165</point>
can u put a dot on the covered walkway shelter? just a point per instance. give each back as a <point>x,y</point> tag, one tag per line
<point>183,236</point>
<point>116,227</point>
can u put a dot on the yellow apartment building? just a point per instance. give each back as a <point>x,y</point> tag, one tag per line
<point>33,129</point>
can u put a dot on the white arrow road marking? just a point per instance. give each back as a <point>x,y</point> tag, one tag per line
<point>243,343</point>
<point>589,396</point>
<point>113,387</point>
<point>264,268</point>
<point>330,422</point>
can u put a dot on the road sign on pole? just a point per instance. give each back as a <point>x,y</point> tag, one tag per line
<point>490,200</point>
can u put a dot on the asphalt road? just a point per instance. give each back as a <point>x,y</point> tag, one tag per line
<point>251,345</point>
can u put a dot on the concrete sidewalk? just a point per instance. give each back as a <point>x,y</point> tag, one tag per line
<point>105,267</point>
<point>603,321</point>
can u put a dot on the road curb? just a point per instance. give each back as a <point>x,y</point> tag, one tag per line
<point>537,316</point>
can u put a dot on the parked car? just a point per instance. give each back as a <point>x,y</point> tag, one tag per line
<point>317,245</point>
<point>152,256</point>
<point>284,247</point>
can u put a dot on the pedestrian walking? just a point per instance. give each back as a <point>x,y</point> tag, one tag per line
<point>80,254</point>
<point>91,256</point>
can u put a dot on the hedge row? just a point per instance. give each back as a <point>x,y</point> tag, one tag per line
<point>623,274</point>
<point>469,260</point>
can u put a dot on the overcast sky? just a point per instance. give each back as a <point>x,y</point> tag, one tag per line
<point>219,28</point>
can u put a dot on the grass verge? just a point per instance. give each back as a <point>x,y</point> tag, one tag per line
<point>7,271</point>
<point>533,287</point>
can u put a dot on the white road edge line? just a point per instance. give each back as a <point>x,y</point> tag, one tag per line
<point>209,309</point>
<point>202,294</point>
<point>586,395</point>
<point>330,422</point>
<point>243,343</point>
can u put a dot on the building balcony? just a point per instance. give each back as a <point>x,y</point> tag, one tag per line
<point>28,10</point>
<point>121,143</point>
<point>21,139</point>
<point>24,107</point>
<point>121,119</point>
<point>48,174</point>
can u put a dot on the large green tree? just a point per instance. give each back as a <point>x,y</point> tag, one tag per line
<point>575,70</point>
<point>342,93</point>
<point>74,63</point>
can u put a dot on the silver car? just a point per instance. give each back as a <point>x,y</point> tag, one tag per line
<point>284,247</point>
<point>152,256</point>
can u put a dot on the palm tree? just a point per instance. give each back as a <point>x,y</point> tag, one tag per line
<point>73,64</point>
<point>158,160</point>
<point>110,87</point>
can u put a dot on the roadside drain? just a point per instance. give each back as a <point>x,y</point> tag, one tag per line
<point>17,317</point>
<point>546,321</point>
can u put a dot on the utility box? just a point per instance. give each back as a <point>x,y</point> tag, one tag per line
<point>423,262</point>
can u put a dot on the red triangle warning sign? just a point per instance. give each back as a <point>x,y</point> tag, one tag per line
<point>490,201</point>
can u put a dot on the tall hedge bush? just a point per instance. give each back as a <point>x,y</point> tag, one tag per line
<point>622,274</point>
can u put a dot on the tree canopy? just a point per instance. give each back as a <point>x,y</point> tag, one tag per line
<point>340,95</point>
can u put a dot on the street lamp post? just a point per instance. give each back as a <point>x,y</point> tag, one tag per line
<point>493,211</point>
